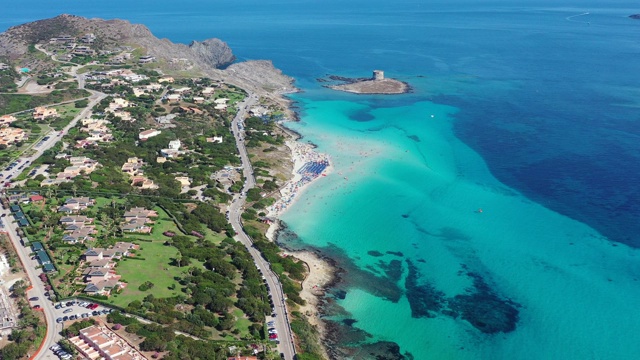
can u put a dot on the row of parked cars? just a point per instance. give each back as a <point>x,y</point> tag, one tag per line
<point>84,304</point>
<point>12,165</point>
<point>83,315</point>
<point>60,352</point>
<point>33,172</point>
<point>273,333</point>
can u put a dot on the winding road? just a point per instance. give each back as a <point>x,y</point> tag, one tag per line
<point>280,315</point>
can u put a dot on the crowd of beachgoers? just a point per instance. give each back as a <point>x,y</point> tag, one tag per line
<point>308,165</point>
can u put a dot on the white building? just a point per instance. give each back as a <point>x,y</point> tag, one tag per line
<point>149,134</point>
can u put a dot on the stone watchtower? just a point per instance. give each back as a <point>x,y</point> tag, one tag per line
<point>378,75</point>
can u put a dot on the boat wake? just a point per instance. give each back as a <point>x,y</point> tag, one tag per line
<point>570,18</point>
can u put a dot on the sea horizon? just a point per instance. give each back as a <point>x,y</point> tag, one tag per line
<point>490,212</point>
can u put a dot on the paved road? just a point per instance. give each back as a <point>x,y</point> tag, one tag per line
<point>30,265</point>
<point>280,317</point>
<point>37,285</point>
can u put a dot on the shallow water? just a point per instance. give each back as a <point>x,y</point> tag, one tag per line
<point>534,122</point>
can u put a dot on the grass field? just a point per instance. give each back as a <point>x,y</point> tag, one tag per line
<point>242,324</point>
<point>156,266</point>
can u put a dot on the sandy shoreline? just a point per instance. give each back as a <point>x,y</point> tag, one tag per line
<point>321,273</point>
<point>301,154</point>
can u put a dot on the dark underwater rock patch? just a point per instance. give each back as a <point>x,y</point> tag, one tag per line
<point>393,269</point>
<point>349,322</point>
<point>414,138</point>
<point>484,309</point>
<point>375,253</point>
<point>361,115</point>
<point>405,215</point>
<point>372,269</point>
<point>396,253</point>
<point>380,350</point>
<point>357,277</point>
<point>424,299</point>
<point>453,234</point>
<point>340,294</point>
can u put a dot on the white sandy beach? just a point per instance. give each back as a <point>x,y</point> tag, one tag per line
<point>301,154</point>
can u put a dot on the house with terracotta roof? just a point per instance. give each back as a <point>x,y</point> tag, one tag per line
<point>6,120</point>
<point>10,136</point>
<point>98,341</point>
<point>36,198</point>
<point>42,113</point>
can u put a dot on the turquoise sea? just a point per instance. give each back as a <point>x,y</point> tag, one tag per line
<point>526,110</point>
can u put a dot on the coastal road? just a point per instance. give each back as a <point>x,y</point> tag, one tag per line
<point>280,315</point>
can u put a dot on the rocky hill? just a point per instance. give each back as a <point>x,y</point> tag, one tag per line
<point>207,56</point>
<point>110,33</point>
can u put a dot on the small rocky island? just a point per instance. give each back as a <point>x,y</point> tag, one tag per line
<point>377,84</point>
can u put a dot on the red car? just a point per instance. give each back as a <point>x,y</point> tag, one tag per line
<point>273,336</point>
<point>92,306</point>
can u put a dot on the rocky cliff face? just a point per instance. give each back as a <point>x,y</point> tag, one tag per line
<point>212,51</point>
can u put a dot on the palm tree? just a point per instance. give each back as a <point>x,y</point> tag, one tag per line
<point>74,188</point>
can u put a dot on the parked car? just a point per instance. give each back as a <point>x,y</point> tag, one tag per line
<point>35,298</point>
<point>68,311</point>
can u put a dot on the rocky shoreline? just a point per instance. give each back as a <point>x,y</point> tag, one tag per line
<point>369,86</point>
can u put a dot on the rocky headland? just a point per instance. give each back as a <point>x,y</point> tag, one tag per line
<point>212,57</point>
<point>377,84</point>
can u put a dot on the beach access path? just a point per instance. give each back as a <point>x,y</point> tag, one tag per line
<point>280,315</point>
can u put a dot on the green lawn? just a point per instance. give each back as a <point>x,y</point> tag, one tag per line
<point>156,266</point>
<point>242,324</point>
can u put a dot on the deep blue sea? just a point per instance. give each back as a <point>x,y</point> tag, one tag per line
<point>528,110</point>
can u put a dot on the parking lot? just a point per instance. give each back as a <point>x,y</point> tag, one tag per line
<point>78,309</point>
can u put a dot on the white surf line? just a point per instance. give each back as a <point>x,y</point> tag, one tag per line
<point>570,18</point>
